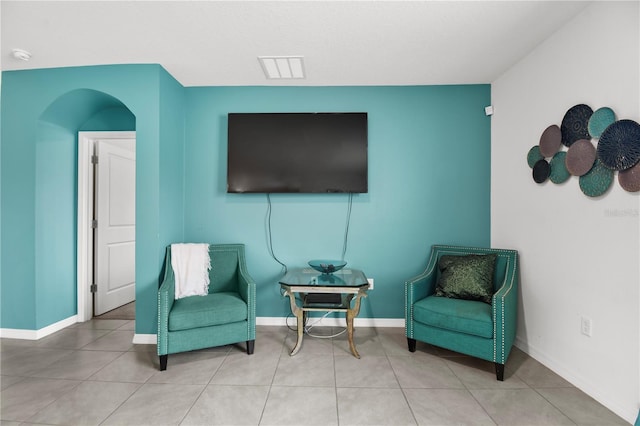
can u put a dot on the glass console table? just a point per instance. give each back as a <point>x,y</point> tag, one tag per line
<point>327,293</point>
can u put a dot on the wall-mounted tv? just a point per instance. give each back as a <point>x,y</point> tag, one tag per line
<point>297,152</point>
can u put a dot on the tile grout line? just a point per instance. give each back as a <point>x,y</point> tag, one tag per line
<point>273,377</point>
<point>554,405</point>
<point>103,367</point>
<point>402,389</point>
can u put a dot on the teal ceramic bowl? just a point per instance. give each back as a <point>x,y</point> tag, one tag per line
<point>327,266</point>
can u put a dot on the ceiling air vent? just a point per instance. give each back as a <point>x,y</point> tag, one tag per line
<point>282,67</point>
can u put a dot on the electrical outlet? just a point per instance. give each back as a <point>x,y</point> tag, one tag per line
<point>585,326</point>
<point>370,283</point>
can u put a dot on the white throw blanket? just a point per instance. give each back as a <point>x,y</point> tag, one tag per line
<point>191,265</point>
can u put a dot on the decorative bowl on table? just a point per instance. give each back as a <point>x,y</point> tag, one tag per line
<point>327,266</point>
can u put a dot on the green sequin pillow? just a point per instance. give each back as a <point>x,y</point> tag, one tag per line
<point>466,277</point>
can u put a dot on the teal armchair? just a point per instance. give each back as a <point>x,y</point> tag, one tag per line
<point>225,316</point>
<point>471,327</point>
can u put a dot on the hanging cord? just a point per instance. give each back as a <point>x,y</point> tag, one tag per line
<point>346,229</point>
<point>307,329</point>
<point>270,241</point>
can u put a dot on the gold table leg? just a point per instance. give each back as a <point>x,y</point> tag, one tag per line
<point>352,345</point>
<point>351,314</point>
<point>299,314</point>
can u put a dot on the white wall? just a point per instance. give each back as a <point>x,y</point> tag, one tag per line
<point>579,256</point>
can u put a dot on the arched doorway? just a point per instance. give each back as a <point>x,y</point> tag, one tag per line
<point>81,110</point>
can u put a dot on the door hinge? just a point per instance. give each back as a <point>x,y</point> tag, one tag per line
<point>94,288</point>
<point>94,223</point>
<point>94,159</point>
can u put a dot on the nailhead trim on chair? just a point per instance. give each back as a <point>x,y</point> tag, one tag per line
<point>162,344</point>
<point>251,295</point>
<point>408,311</point>
<point>158,329</point>
<point>507,291</point>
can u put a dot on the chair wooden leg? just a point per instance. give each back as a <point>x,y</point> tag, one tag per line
<point>500,372</point>
<point>250,346</point>
<point>163,362</point>
<point>412,344</point>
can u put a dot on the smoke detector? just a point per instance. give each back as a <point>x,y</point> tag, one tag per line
<point>21,54</point>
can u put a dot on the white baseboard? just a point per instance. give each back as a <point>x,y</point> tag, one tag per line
<point>14,333</point>
<point>145,339</point>
<point>573,377</point>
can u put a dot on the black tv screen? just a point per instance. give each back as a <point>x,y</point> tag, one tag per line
<point>297,152</point>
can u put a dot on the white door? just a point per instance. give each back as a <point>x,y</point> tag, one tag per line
<point>115,235</point>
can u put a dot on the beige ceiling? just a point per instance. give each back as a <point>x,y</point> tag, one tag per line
<point>217,43</point>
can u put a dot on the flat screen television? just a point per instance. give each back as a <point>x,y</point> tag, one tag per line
<point>297,152</point>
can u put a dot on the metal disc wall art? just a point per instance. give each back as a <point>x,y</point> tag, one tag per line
<point>619,145</point>
<point>550,141</point>
<point>592,145</point>
<point>580,157</point>
<point>575,124</point>
<point>600,120</point>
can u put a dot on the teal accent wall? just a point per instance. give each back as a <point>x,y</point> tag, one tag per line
<point>117,119</point>
<point>54,224</point>
<point>42,111</point>
<point>429,182</point>
<point>171,195</point>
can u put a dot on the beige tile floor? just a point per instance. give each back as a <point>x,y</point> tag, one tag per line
<point>91,374</point>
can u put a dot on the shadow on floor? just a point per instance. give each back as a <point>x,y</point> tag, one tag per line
<point>125,312</point>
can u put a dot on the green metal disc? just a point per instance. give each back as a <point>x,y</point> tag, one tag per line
<point>559,172</point>
<point>534,156</point>
<point>597,180</point>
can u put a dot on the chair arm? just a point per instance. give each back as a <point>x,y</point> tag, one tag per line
<point>505,312</point>
<point>415,289</point>
<point>419,287</point>
<point>166,296</point>
<point>247,290</point>
<point>423,285</point>
<point>246,287</point>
